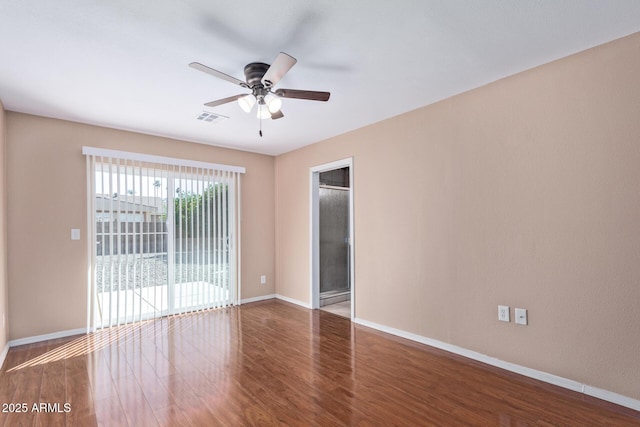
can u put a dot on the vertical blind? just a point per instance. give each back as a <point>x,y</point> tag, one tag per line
<point>163,236</point>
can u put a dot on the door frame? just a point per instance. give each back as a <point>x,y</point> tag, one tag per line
<point>314,230</point>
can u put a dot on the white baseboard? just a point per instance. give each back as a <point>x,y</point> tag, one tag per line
<point>293,301</point>
<point>45,337</point>
<point>612,397</point>
<point>256,299</point>
<point>3,355</point>
<point>599,393</point>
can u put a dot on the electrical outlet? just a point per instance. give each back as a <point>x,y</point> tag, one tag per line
<point>503,313</point>
<point>263,280</point>
<point>521,316</point>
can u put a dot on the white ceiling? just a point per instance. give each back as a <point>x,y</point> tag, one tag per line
<point>123,63</point>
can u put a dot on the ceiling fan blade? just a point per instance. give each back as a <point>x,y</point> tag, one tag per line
<point>277,115</point>
<point>311,95</point>
<point>278,69</point>
<point>224,100</point>
<point>219,74</point>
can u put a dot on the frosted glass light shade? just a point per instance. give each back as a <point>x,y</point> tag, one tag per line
<point>246,103</point>
<point>273,103</point>
<point>263,112</point>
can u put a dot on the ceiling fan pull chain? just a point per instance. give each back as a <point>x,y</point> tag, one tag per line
<point>260,131</point>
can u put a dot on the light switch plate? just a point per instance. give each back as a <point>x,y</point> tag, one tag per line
<point>75,234</point>
<point>521,316</point>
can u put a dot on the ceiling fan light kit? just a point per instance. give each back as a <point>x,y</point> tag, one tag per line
<point>260,79</point>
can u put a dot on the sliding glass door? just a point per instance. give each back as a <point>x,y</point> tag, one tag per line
<point>164,239</point>
<point>200,266</point>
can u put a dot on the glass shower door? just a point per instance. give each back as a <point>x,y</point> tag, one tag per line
<point>334,240</point>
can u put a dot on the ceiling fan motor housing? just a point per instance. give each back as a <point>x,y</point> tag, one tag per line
<point>254,72</point>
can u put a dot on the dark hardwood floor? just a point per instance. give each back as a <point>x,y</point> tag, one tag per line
<point>272,363</point>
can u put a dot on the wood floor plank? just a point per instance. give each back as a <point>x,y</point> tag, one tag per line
<point>273,363</point>
<point>27,392</point>
<point>79,393</point>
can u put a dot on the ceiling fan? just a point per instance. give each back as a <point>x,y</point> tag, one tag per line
<point>260,80</point>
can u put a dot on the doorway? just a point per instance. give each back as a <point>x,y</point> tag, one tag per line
<point>332,238</point>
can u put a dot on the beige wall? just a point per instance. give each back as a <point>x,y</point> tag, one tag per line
<point>46,182</point>
<point>4,333</point>
<point>525,192</point>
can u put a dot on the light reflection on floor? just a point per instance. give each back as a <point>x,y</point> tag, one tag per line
<point>102,338</point>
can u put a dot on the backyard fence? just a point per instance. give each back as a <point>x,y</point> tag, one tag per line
<point>151,238</point>
<point>130,238</point>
